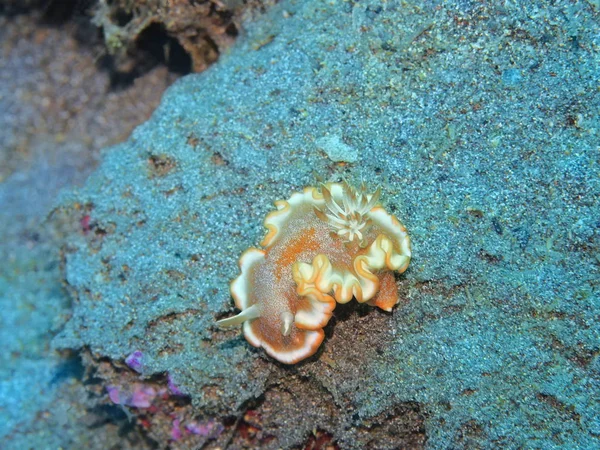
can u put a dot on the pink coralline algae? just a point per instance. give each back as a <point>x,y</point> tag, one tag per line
<point>176,431</point>
<point>209,428</point>
<point>173,387</point>
<point>134,361</point>
<point>139,396</point>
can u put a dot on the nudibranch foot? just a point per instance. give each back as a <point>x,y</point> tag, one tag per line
<point>323,246</point>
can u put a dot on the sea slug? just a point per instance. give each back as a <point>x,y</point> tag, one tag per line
<point>324,246</point>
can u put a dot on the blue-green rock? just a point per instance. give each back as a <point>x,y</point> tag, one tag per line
<point>495,177</point>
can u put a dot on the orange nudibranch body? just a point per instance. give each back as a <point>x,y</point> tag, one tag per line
<point>324,246</point>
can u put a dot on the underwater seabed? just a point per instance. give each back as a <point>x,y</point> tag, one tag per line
<point>478,122</point>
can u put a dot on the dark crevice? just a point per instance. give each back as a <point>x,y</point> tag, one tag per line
<point>12,8</point>
<point>118,79</point>
<point>56,12</point>
<point>53,12</point>
<point>232,30</point>
<point>121,17</point>
<point>158,47</point>
<point>69,368</point>
<point>153,47</point>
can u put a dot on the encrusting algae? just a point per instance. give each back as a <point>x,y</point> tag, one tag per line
<point>324,246</point>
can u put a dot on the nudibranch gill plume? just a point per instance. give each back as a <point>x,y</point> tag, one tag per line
<point>324,246</point>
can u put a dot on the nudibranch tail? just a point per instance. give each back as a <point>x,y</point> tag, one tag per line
<point>247,314</point>
<point>323,246</point>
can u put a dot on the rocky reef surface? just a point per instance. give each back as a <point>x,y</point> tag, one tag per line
<point>479,122</point>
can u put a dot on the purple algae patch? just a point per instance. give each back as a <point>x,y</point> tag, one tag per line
<point>135,361</point>
<point>209,428</point>
<point>173,387</point>
<point>139,396</point>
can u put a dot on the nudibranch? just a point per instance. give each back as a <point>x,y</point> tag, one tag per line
<point>324,246</point>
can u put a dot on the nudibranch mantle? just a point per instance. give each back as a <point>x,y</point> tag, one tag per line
<point>323,246</point>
